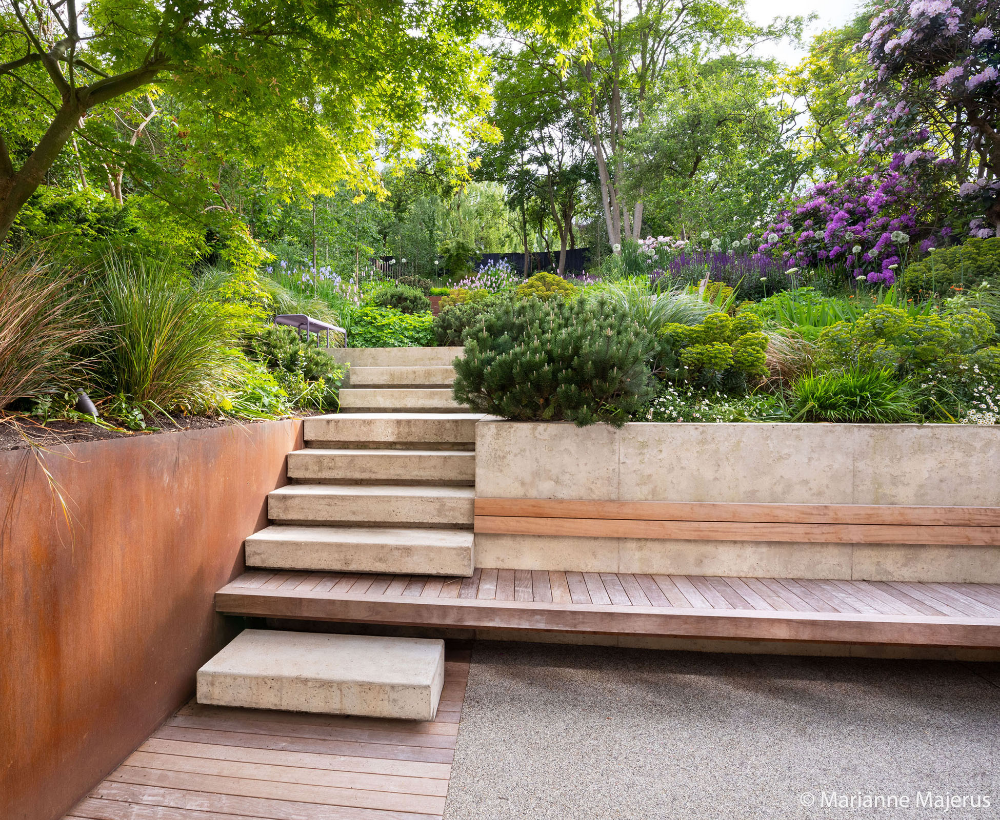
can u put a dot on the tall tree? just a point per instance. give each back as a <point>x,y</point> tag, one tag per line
<point>633,44</point>
<point>309,89</point>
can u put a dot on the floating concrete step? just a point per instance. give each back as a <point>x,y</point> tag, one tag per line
<point>330,674</point>
<point>398,399</point>
<point>378,505</point>
<point>362,549</point>
<point>426,430</point>
<point>452,467</point>
<point>401,376</point>
<point>396,356</point>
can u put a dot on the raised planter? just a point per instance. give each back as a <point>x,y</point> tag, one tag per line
<point>107,612</point>
<point>941,466</point>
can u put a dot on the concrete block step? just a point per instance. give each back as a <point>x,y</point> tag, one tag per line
<point>371,466</point>
<point>330,674</point>
<point>401,376</point>
<point>378,505</point>
<point>399,399</point>
<point>363,549</point>
<point>397,430</point>
<point>396,356</point>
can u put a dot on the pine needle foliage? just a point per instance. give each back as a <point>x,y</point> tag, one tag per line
<point>575,360</point>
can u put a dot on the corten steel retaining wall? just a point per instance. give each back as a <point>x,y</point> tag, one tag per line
<point>104,623</point>
<point>892,464</point>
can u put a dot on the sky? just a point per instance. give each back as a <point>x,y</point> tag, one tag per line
<point>831,13</point>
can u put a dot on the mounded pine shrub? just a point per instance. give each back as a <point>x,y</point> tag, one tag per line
<point>576,360</point>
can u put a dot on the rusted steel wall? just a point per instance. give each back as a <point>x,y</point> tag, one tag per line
<point>105,619</point>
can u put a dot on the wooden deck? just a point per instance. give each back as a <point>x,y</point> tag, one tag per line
<point>862,612</point>
<point>215,763</point>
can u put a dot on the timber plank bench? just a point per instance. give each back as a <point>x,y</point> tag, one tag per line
<point>768,609</point>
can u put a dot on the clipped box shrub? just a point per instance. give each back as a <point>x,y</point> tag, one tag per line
<point>421,283</point>
<point>545,286</point>
<point>402,298</point>
<point>963,266</point>
<point>725,352</point>
<point>386,327</point>
<point>558,360</point>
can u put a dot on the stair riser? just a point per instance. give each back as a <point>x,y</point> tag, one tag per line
<point>447,468</point>
<point>396,356</point>
<point>376,511</point>
<point>376,558</point>
<point>390,377</point>
<point>389,400</point>
<point>385,429</point>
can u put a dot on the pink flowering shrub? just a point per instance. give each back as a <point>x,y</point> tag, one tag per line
<point>935,91</point>
<point>866,223</point>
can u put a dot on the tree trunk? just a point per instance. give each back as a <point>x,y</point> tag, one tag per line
<point>637,220</point>
<point>17,188</point>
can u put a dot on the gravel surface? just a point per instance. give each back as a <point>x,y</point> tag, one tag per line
<point>593,732</point>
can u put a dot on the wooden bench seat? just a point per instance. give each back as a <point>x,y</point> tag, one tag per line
<point>768,609</point>
<point>711,521</point>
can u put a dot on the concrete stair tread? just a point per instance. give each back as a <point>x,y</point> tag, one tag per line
<point>397,356</point>
<point>329,674</point>
<point>432,491</point>
<point>415,376</point>
<point>385,550</point>
<point>385,453</point>
<point>366,535</point>
<point>398,398</point>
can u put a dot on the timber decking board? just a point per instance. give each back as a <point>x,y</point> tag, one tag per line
<point>866,612</point>
<point>240,764</point>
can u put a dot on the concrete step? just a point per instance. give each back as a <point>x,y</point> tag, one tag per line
<point>362,549</point>
<point>370,466</point>
<point>403,430</point>
<point>377,505</point>
<point>401,376</point>
<point>396,356</point>
<point>398,399</point>
<point>329,674</point>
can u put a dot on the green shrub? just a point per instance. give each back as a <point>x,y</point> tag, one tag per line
<point>421,283</point>
<point>887,336</point>
<point>852,395</point>
<point>165,345</point>
<point>579,360</point>
<point>946,270</point>
<point>460,296</point>
<point>723,352</point>
<point>545,286</point>
<point>402,298</point>
<point>452,322</point>
<point>459,257</point>
<point>440,291</point>
<point>309,376</point>
<point>385,327</point>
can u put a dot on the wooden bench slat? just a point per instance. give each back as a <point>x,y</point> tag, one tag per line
<point>739,531</point>
<point>696,511</point>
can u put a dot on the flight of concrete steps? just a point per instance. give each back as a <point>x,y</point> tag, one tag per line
<point>386,486</point>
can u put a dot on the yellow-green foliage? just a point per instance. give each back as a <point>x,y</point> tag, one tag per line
<point>963,266</point>
<point>715,293</point>
<point>721,350</point>
<point>546,286</point>
<point>461,296</point>
<point>887,337</point>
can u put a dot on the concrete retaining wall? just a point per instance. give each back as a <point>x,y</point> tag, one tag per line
<point>935,465</point>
